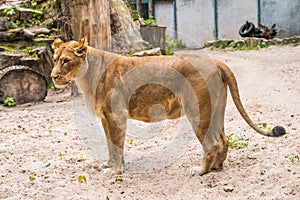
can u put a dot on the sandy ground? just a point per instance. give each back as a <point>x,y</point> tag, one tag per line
<point>58,141</point>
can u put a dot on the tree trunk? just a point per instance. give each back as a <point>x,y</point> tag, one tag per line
<point>107,24</point>
<point>86,18</point>
<point>125,34</point>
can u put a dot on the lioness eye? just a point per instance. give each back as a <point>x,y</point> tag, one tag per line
<point>66,61</point>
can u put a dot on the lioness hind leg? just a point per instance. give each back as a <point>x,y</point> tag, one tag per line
<point>115,138</point>
<point>214,155</point>
<point>221,153</point>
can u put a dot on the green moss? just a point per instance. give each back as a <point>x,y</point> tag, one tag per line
<point>12,30</point>
<point>9,48</point>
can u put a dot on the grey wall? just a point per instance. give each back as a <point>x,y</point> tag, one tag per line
<point>195,18</point>
<point>232,14</point>
<point>286,15</point>
<point>195,21</point>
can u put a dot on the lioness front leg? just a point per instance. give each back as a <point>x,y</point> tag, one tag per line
<point>115,137</point>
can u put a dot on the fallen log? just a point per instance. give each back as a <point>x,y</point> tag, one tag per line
<point>23,84</point>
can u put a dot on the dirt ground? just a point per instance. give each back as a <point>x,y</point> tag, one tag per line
<point>56,141</point>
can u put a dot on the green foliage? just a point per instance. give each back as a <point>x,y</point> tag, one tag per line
<point>130,141</point>
<point>32,177</point>
<point>106,198</point>
<point>15,24</point>
<point>264,124</point>
<point>238,143</point>
<point>37,17</point>
<point>24,5</point>
<point>219,44</point>
<point>27,52</point>
<point>9,101</point>
<point>263,45</point>
<point>135,15</point>
<point>241,45</point>
<point>172,44</point>
<point>9,11</point>
<point>150,21</point>
<point>31,4</point>
<point>295,159</point>
<point>119,178</point>
<point>81,179</point>
<point>43,35</point>
<point>51,85</point>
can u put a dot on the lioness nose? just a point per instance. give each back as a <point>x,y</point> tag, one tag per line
<point>54,76</point>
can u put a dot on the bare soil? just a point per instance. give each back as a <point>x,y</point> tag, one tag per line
<point>58,141</point>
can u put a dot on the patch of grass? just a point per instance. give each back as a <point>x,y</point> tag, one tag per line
<point>10,101</point>
<point>241,45</point>
<point>171,44</point>
<point>8,48</point>
<point>236,142</point>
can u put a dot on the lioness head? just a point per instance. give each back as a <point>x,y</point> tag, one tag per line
<point>68,59</point>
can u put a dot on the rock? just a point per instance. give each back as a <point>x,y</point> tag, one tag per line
<point>151,52</point>
<point>7,60</point>
<point>4,23</point>
<point>228,188</point>
<point>38,30</point>
<point>28,34</point>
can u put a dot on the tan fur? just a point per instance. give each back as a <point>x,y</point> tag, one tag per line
<point>117,88</point>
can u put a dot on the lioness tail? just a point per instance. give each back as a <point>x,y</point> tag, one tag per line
<point>230,79</point>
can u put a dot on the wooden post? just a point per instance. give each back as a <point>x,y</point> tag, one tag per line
<point>150,9</point>
<point>139,7</point>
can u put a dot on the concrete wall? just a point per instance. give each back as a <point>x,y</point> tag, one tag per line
<point>195,18</point>
<point>195,23</point>
<point>164,14</point>
<point>232,14</point>
<point>286,15</point>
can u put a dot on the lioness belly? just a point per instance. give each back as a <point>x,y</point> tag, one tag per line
<point>154,102</point>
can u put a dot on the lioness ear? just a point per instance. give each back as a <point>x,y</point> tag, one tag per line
<point>81,48</point>
<point>56,44</point>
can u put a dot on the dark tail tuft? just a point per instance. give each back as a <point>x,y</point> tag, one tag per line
<point>277,131</point>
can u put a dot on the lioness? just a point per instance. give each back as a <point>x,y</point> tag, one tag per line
<point>151,89</point>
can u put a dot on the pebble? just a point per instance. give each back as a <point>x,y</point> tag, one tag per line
<point>228,188</point>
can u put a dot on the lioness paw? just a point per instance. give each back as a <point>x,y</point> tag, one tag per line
<point>112,171</point>
<point>195,170</point>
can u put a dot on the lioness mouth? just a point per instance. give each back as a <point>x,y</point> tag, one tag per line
<point>61,85</point>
